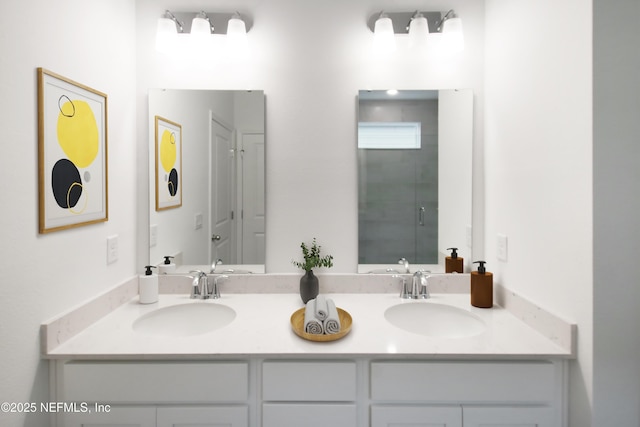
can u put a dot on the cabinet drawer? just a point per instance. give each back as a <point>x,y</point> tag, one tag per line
<point>532,382</point>
<point>309,381</point>
<point>309,415</point>
<point>155,382</point>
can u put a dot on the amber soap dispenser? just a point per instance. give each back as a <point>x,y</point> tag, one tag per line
<point>481,287</point>
<point>453,263</point>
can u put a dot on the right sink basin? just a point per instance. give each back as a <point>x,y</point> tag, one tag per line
<point>434,320</point>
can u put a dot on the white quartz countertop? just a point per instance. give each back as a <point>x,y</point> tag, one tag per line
<point>262,328</point>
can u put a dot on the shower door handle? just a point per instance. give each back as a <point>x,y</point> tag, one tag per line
<point>421,216</point>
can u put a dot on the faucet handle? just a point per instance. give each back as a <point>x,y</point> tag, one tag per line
<point>195,288</point>
<point>424,287</point>
<point>405,292</point>
<point>215,292</point>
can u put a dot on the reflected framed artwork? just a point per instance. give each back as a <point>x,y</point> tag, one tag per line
<point>72,153</point>
<point>168,143</point>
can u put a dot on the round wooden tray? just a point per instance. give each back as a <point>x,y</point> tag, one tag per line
<point>297,323</point>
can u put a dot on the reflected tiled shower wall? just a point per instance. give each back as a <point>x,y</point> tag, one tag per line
<point>394,184</point>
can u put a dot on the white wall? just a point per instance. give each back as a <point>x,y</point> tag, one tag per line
<point>538,140</point>
<point>311,76</point>
<point>43,275</point>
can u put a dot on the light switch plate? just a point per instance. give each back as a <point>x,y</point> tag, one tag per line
<point>501,247</point>
<point>198,221</point>
<point>469,235</point>
<point>153,235</point>
<point>112,249</point>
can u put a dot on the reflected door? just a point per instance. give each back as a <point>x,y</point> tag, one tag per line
<point>222,215</point>
<point>253,219</point>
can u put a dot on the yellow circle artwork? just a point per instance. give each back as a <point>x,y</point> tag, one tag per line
<point>78,133</point>
<point>168,150</point>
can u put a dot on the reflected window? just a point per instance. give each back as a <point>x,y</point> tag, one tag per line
<point>389,135</point>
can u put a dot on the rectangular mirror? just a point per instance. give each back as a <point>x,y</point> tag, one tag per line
<point>222,212</point>
<point>414,178</point>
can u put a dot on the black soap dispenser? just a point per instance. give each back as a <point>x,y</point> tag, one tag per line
<point>453,263</point>
<point>481,287</point>
<point>167,266</point>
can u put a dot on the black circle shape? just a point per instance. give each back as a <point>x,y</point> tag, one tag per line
<point>66,183</point>
<point>173,182</point>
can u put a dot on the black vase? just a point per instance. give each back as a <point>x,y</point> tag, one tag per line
<point>309,286</point>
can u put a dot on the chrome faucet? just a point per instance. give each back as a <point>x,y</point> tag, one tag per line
<point>419,289</point>
<point>405,264</point>
<point>215,264</point>
<point>200,285</point>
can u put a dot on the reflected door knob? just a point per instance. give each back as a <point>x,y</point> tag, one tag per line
<point>215,238</point>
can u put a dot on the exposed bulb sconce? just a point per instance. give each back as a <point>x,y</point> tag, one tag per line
<point>178,30</point>
<point>442,31</point>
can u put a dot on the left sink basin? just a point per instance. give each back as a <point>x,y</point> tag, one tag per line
<point>183,320</point>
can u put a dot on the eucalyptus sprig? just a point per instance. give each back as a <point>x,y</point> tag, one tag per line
<point>312,257</point>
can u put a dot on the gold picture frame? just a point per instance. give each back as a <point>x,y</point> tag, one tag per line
<point>72,154</point>
<point>168,159</point>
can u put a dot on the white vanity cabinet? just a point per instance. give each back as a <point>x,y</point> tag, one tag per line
<point>309,393</point>
<point>361,391</point>
<point>467,394</point>
<point>153,394</point>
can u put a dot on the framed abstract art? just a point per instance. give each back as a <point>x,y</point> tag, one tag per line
<point>72,153</point>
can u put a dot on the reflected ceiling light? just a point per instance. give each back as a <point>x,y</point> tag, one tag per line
<point>384,40</point>
<point>418,30</point>
<point>392,92</point>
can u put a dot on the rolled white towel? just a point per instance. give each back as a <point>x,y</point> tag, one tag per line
<point>321,308</point>
<point>331,324</point>
<point>311,324</point>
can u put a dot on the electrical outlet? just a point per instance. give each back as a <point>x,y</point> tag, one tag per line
<point>112,249</point>
<point>153,235</point>
<point>198,221</point>
<point>501,247</point>
<point>469,236</point>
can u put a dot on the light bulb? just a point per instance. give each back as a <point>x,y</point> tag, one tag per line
<point>418,31</point>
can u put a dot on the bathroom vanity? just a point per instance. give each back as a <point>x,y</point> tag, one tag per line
<point>254,371</point>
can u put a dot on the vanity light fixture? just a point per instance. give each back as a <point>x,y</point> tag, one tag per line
<point>237,35</point>
<point>418,30</point>
<point>201,25</point>
<point>178,31</point>
<point>167,31</point>
<point>451,29</point>
<point>383,35</point>
<point>434,30</point>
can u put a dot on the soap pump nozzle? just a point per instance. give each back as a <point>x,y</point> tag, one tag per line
<point>148,271</point>
<point>167,259</point>
<point>454,253</point>
<point>481,268</point>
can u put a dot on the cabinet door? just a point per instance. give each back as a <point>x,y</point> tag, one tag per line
<point>232,416</point>
<point>508,417</point>
<point>309,415</point>
<point>416,416</point>
<point>114,417</point>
